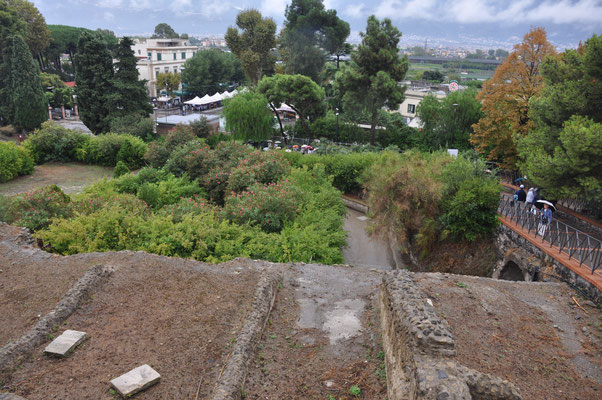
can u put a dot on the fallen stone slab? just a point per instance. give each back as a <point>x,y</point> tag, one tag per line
<point>136,380</point>
<point>63,345</point>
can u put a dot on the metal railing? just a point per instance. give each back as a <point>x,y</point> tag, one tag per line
<point>558,235</point>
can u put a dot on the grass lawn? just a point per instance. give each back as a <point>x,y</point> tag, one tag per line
<point>70,177</point>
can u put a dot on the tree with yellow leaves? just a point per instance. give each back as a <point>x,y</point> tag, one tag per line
<point>505,99</point>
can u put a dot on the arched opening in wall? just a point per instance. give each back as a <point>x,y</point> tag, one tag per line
<point>512,272</point>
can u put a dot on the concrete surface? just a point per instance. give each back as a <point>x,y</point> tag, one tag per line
<point>63,345</point>
<point>334,300</point>
<point>136,380</point>
<point>362,250</point>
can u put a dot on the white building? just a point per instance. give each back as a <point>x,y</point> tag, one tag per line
<point>413,97</point>
<point>161,55</point>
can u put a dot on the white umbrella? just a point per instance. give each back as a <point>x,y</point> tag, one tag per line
<point>548,203</point>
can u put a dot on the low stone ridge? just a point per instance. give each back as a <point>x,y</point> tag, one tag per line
<point>15,351</point>
<point>420,350</point>
<point>63,345</point>
<point>136,380</point>
<point>231,383</point>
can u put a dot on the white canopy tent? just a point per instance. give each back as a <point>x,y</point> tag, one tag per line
<point>285,107</point>
<point>197,101</point>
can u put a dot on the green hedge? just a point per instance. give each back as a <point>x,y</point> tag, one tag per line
<point>346,169</point>
<point>52,142</point>
<point>14,161</point>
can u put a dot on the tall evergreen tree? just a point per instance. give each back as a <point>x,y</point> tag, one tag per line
<point>129,96</point>
<point>371,81</point>
<point>93,77</point>
<point>10,24</point>
<point>28,100</point>
<point>310,33</point>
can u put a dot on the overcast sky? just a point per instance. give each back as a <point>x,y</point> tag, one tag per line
<point>470,22</point>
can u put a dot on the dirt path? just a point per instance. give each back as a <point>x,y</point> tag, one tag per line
<point>71,177</point>
<point>323,337</point>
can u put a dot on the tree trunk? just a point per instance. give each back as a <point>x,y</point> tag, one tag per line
<point>338,56</point>
<point>373,127</point>
<point>303,121</point>
<point>279,121</point>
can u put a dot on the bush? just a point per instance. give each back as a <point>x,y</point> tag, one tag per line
<point>200,127</point>
<point>52,142</point>
<point>110,148</point>
<point>178,135</point>
<point>143,128</point>
<point>346,169</point>
<point>266,167</point>
<point>36,209</point>
<point>267,206</point>
<point>14,161</point>
<point>176,163</point>
<point>120,169</point>
<point>156,154</point>
<point>472,211</point>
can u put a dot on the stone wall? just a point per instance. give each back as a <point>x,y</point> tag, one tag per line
<point>420,350</point>
<point>507,240</point>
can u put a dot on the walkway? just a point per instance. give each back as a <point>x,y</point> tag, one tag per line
<point>553,251</point>
<point>362,250</point>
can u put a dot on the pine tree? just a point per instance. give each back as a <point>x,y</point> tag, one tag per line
<point>28,100</point>
<point>129,96</point>
<point>93,77</point>
<point>371,81</point>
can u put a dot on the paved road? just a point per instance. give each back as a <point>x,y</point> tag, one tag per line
<point>362,250</point>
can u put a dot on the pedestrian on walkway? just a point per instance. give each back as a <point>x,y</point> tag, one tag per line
<point>530,197</point>
<point>520,194</point>
<point>545,220</point>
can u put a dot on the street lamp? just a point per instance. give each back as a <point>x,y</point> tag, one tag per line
<point>337,114</point>
<point>454,124</point>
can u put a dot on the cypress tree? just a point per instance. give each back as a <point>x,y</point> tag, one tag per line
<point>28,100</point>
<point>10,24</point>
<point>129,96</point>
<point>93,78</point>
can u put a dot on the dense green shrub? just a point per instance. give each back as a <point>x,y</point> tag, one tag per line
<point>200,127</point>
<point>423,197</point>
<point>178,135</point>
<point>120,169</point>
<point>14,161</point>
<point>471,212</point>
<point>156,154</point>
<point>346,169</point>
<point>109,148</point>
<point>176,163</point>
<point>192,227</point>
<point>262,167</point>
<point>52,142</point>
<point>268,206</point>
<point>134,125</point>
<point>35,210</point>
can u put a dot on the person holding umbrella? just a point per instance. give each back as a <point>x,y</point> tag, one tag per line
<point>545,217</point>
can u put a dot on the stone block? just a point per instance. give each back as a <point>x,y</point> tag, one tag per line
<point>136,380</point>
<point>63,345</point>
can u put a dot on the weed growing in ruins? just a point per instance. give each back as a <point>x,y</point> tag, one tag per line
<point>355,391</point>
